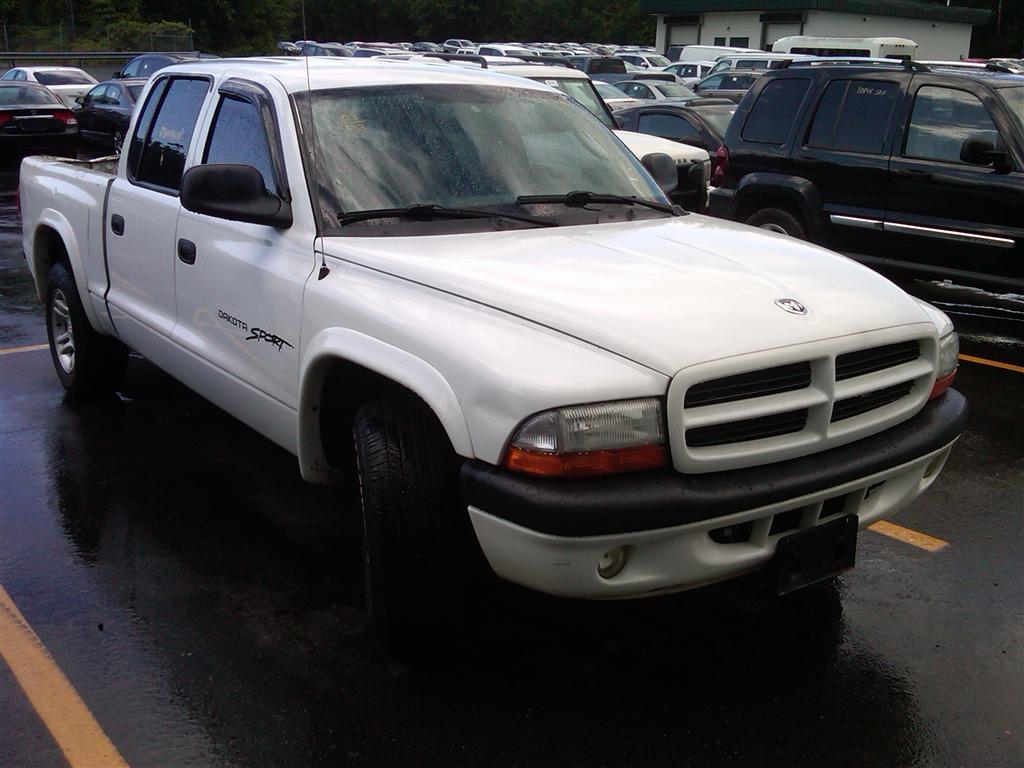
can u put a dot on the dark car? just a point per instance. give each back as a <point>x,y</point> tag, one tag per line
<point>425,47</point>
<point>606,68</point>
<point>729,84</point>
<point>893,163</point>
<point>105,111</point>
<point>33,119</point>
<point>325,49</point>
<point>699,122</point>
<point>148,63</point>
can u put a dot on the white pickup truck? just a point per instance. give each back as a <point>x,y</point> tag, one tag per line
<point>459,289</point>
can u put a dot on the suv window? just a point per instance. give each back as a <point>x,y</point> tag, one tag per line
<point>854,115</point>
<point>667,127</point>
<point>239,136</point>
<point>162,149</point>
<point>943,118</point>
<point>773,113</point>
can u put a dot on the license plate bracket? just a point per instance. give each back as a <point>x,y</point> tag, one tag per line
<point>819,553</point>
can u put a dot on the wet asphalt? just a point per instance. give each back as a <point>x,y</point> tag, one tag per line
<point>207,606</point>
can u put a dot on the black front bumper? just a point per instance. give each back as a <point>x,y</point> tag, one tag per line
<point>665,498</point>
<point>722,203</point>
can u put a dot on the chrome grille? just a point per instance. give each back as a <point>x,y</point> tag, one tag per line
<point>779,404</point>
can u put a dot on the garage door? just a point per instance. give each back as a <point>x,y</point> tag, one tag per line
<point>683,34</point>
<point>773,32</point>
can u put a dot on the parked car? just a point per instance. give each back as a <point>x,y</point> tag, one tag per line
<point>690,72</point>
<point>326,49</point>
<point>289,48</point>
<point>500,49</point>
<point>699,122</point>
<point>148,63</point>
<point>613,97</point>
<point>703,52</point>
<point>754,60</point>
<point>522,351</point>
<point>731,85</point>
<point>606,68</point>
<point>425,47</point>
<point>895,164</point>
<point>32,118</point>
<point>66,83</point>
<point>637,89</point>
<point>453,45</point>
<point>105,111</point>
<point>645,60</point>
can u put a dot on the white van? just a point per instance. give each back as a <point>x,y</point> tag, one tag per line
<point>868,47</point>
<point>709,52</point>
<point>758,60</point>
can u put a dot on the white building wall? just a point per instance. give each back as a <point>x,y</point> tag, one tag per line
<point>730,25</point>
<point>935,39</point>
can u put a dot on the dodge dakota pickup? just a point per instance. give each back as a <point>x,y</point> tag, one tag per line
<point>459,292</point>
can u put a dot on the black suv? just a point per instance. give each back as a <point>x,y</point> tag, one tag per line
<point>892,163</point>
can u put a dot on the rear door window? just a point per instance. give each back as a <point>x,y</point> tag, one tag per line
<point>162,143</point>
<point>942,120</point>
<point>776,108</point>
<point>854,116</point>
<point>667,127</point>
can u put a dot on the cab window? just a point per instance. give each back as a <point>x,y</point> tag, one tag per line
<point>239,136</point>
<point>164,132</point>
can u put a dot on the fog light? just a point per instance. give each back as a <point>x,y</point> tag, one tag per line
<point>933,466</point>
<point>611,563</point>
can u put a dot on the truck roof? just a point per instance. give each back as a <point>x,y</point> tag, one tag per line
<point>299,74</point>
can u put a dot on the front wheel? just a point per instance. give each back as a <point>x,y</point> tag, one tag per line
<point>415,525</point>
<point>88,363</point>
<point>778,220</point>
<point>118,141</point>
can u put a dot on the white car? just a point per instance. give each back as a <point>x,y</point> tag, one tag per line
<point>458,292</point>
<point>501,49</point>
<point>66,83</point>
<point>690,72</point>
<point>613,97</point>
<point>645,60</point>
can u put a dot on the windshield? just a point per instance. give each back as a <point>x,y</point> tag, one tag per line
<point>461,146</point>
<point>582,91</point>
<point>675,91</point>
<point>1014,98</point>
<point>607,90</point>
<point>658,61</point>
<point>64,78</point>
<point>718,118</point>
<point>26,94</point>
<point>607,66</point>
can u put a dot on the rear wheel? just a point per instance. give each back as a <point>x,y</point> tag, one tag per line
<point>88,363</point>
<point>414,523</point>
<point>778,220</point>
<point>118,141</point>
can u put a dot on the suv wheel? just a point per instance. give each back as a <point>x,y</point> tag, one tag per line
<point>413,523</point>
<point>778,220</point>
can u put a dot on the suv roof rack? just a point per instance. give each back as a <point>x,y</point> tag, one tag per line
<point>458,57</point>
<point>855,61</point>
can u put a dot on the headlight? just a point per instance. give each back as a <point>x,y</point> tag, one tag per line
<point>596,439</point>
<point>949,356</point>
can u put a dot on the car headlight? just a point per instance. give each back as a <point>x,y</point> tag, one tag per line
<point>594,439</point>
<point>948,360</point>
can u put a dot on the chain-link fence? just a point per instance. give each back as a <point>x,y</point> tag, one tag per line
<point>124,36</point>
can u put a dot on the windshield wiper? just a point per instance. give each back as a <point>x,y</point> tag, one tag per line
<point>429,212</point>
<point>581,198</point>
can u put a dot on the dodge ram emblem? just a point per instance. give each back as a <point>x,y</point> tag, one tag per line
<point>792,306</point>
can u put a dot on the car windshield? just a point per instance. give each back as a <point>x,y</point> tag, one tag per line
<point>460,146</point>
<point>658,61</point>
<point>26,94</point>
<point>718,118</point>
<point>1014,97</point>
<point>583,91</point>
<point>608,91</point>
<point>64,78</point>
<point>675,91</point>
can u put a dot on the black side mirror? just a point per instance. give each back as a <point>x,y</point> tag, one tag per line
<point>663,169</point>
<point>80,101</point>
<point>980,151</point>
<point>117,75</point>
<point>235,193</point>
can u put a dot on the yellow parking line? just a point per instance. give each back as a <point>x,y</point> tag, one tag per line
<point>907,536</point>
<point>61,709</point>
<point>30,348</point>
<point>993,363</point>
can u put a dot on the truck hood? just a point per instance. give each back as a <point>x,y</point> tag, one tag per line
<point>666,294</point>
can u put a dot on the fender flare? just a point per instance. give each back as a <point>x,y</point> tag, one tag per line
<point>55,220</point>
<point>345,345</point>
<point>797,189</point>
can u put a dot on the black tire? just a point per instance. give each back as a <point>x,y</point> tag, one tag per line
<point>778,220</point>
<point>117,141</point>
<point>88,363</point>
<point>415,525</point>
